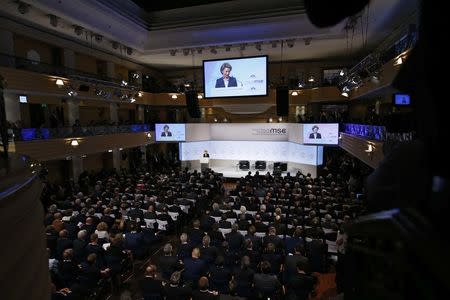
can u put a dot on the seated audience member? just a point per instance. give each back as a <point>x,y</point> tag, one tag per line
<point>215,235</point>
<point>300,285</point>
<point>90,273</point>
<point>291,242</point>
<point>235,239</point>
<point>68,269</point>
<point>203,292</point>
<point>291,260</point>
<point>194,268</point>
<point>223,223</point>
<point>151,288</point>
<point>168,263</point>
<point>219,276</point>
<point>243,277</point>
<point>185,248</point>
<point>62,243</point>
<point>196,234</point>
<point>265,284</point>
<point>79,246</point>
<point>275,259</point>
<point>208,253</point>
<point>175,291</point>
<point>102,233</point>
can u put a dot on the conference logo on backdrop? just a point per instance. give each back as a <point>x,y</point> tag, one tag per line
<point>269,131</point>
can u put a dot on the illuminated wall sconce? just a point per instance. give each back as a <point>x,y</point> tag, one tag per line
<point>74,143</point>
<point>174,97</point>
<point>294,93</point>
<point>149,135</point>
<point>140,94</point>
<point>59,83</point>
<point>199,96</point>
<point>369,150</point>
<point>311,79</point>
<point>110,150</point>
<point>280,119</point>
<point>270,120</point>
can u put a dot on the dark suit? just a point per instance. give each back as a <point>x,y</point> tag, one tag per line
<point>168,133</point>
<point>194,268</point>
<point>167,265</point>
<point>232,82</point>
<point>318,136</point>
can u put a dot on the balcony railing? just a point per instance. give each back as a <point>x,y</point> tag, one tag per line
<point>30,134</point>
<point>377,133</point>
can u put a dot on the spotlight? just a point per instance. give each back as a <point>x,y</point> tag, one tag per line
<point>311,79</point>
<point>300,84</point>
<point>215,120</point>
<point>274,44</point>
<point>187,85</point>
<point>53,20</point>
<point>294,93</point>
<point>120,149</point>
<point>242,47</point>
<point>72,93</point>
<point>136,76</point>
<point>345,94</point>
<point>98,38</point>
<point>290,43</point>
<point>280,119</point>
<point>78,30</point>
<point>258,46</point>
<point>115,45</point>
<point>200,50</point>
<point>186,51</point>
<point>149,135</point>
<point>173,52</point>
<point>59,82</point>
<point>74,143</point>
<point>199,96</point>
<point>129,51</point>
<point>213,50</point>
<point>124,83</point>
<point>110,150</point>
<point>174,96</point>
<point>83,156</point>
<point>140,94</point>
<point>270,120</point>
<point>23,8</point>
<point>132,100</point>
<point>398,61</point>
<point>369,148</point>
<point>227,48</point>
<point>307,41</point>
<point>342,73</point>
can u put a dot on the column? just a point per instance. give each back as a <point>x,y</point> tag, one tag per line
<point>73,111</point>
<point>113,114</point>
<point>77,167</point>
<point>110,70</point>
<point>69,58</point>
<point>116,159</point>
<point>140,114</point>
<point>12,107</point>
<point>7,47</point>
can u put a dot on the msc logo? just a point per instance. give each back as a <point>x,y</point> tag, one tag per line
<point>271,131</point>
<point>278,130</point>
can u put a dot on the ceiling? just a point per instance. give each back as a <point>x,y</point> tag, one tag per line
<point>151,6</point>
<point>176,34</point>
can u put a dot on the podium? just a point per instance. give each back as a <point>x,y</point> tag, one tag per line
<point>204,163</point>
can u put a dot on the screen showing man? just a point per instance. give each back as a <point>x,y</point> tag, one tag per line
<point>205,153</point>
<point>166,131</point>
<point>315,133</point>
<point>226,80</point>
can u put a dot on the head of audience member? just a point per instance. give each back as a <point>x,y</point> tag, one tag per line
<point>234,227</point>
<point>68,254</point>
<point>195,253</point>
<point>94,238</point>
<point>245,262</point>
<point>167,249</point>
<point>150,271</point>
<point>102,226</point>
<point>206,241</point>
<point>203,283</point>
<point>272,230</point>
<point>248,244</point>
<point>215,206</point>
<point>265,267</point>
<point>196,224</point>
<point>175,278</point>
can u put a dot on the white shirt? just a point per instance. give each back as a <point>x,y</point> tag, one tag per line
<point>225,81</point>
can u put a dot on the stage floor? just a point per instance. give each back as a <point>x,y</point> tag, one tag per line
<point>236,173</point>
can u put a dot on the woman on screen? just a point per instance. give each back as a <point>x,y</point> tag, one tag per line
<point>226,80</point>
<point>315,134</point>
<point>166,131</point>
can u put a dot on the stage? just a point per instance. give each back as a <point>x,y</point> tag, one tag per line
<point>236,173</point>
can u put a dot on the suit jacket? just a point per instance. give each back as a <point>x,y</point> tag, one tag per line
<point>194,269</point>
<point>168,133</point>
<point>319,136</point>
<point>231,82</point>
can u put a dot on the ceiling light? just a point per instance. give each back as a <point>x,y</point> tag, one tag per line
<point>199,96</point>
<point>140,94</point>
<point>398,61</point>
<point>74,143</point>
<point>120,149</point>
<point>136,75</point>
<point>270,120</point>
<point>110,150</point>
<point>258,46</point>
<point>300,85</point>
<point>369,149</point>
<point>173,52</point>
<point>311,79</point>
<point>186,51</point>
<point>294,93</point>
<point>149,135</point>
<point>280,119</point>
<point>187,85</point>
<point>59,82</point>
<point>53,20</point>
<point>124,83</point>
<point>83,156</point>
<point>345,94</point>
<point>215,120</point>
<point>132,100</point>
<point>213,50</point>
<point>72,93</point>
<point>342,73</point>
<point>174,96</point>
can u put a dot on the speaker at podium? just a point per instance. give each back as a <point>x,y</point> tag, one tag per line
<point>204,161</point>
